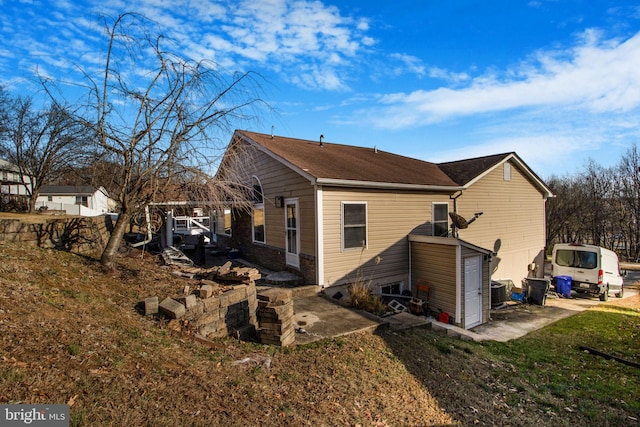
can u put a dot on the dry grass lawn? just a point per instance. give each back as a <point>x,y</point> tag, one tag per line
<point>69,333</point>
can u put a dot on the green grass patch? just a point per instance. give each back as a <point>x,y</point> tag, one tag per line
<point>551,363</point>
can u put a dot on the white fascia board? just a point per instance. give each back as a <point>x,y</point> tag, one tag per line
<point>434,239</point>
<point>385,185</point>
<point>450,241</point>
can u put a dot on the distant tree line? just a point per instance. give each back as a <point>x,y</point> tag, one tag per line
<point>599,206</point>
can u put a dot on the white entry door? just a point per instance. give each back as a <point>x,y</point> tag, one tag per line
<point>472,291</point>
<point>292,229</point>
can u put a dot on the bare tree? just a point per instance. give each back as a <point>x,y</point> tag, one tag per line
<point>597,192</point>
<point>41,143</point>
<point>156,114</point>
<point>628,185</point>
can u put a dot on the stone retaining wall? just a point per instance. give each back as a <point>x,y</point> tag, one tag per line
<point>215,310</point>
<point>82,235</point>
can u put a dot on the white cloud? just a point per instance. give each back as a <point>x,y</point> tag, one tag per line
<point>283,36</point>
<point>597,76</point>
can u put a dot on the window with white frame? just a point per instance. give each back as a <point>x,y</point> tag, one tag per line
<point>354,225</point>
<point>440,219</point>
<point>394,288</point>
<point>82,200</point>
<point>257,223</point>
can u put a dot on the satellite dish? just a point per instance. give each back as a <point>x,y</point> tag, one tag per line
<point>458,221</point>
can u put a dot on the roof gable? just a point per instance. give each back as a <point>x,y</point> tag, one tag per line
<point>468,171</point>
<point>464,171</point>
<point>337,163</point>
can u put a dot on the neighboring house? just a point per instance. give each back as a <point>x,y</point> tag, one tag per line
<point>14,187</point>
<point>75,200</point>
<point>334,213</point>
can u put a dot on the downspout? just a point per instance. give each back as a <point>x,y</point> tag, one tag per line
<point>319,235</point>
<point>411,270</point>
<point>454,197</point>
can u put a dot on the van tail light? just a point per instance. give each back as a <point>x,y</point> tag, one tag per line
<point>600,277</point>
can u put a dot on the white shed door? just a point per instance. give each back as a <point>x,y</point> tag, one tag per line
<point>472,291</point>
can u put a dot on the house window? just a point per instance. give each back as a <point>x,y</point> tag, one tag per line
<point>82,200</point>
<point>391,289</point>
<point>507,171</point>
<point>49,198</point>
<point>354,225</point>
<point>440,220</point>
<point>258,212</point>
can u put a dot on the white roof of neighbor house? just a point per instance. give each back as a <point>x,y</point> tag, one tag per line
<point>8,166</point>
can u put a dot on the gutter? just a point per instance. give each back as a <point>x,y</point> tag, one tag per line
<point>384,185</point>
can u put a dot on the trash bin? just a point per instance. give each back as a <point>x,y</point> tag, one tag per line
<point>537,290</point>
<point>563,286</point>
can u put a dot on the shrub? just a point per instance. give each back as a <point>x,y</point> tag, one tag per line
<point>360,297</point>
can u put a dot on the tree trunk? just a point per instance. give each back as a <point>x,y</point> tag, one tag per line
<point>32,203</point>
<point>110,253</point>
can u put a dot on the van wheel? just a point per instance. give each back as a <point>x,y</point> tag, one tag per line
<point>621,293</point>
<point>605,295</point>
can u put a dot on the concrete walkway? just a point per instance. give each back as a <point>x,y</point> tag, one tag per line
<point>318,317</point>
<point>518,319</point>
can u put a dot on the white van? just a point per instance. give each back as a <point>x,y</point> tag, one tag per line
<point>592,269</point>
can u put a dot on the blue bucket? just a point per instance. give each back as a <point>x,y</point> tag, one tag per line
<point>563,286</point>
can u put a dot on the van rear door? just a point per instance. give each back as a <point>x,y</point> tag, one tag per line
<point>587,266</point>
<point>581,263</point>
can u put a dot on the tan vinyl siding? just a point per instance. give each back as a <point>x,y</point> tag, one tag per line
<point>436,265</point>
<point>513,220</point>
<point>391,217</point>
<point>278,180</point>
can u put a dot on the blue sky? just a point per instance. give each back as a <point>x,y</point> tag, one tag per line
<point>557,81</point>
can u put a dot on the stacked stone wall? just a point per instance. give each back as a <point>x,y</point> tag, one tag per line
<point>82,235</point>
<point>216,310</point>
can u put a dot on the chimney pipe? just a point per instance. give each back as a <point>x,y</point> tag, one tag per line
<point>321,138</point>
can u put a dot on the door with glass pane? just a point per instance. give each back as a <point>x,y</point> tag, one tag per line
<point>292,229</point>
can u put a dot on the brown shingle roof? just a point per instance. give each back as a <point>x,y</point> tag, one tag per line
<point>350,163</point>
<point>463,171</point>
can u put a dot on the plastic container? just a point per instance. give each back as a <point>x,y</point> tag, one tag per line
<point>443,317</point>
<point>518,294</point>
<point>537,290</point>
<point>563,286</point>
